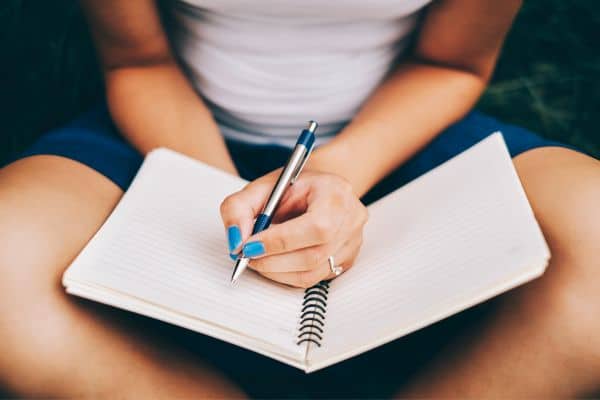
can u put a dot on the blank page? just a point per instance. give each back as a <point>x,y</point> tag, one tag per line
<point>460,234</point>
<point>164,247</point>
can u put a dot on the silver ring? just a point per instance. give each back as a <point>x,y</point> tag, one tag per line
<point>336,270</point>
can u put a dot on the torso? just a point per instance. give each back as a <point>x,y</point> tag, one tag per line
<point>267,68</point>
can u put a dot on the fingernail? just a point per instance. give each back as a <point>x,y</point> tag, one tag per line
<point>234,236</point>
<point>254,249</point>
<point>233,256</point>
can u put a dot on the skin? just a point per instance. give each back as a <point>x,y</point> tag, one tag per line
<point>330,222</point>
<point>541,341</point>
<point>51,344</point>
<point>449,62</point>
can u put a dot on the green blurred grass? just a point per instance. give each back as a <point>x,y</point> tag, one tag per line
<point>547,78</point>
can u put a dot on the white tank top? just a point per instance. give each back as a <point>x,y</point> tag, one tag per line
<point>266,67</point>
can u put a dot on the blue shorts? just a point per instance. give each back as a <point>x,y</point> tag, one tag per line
<point>93,140</point>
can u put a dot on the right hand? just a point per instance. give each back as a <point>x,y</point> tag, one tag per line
<point>320,216</point>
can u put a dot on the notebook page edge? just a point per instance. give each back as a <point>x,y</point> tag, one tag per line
<point>137,306</point>
<point>157,156</point>
<point>543,251</point>
<point>515,175</point>
<point>530,274</point>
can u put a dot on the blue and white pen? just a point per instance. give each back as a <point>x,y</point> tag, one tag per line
<point>288,176</point>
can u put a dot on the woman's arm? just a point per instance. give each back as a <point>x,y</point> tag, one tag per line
<point>454,58</point>
<point>149,97</point>
<point>322,215</point>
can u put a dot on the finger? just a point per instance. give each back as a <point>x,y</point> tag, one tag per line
<point>309,229</point>
<point>240,209</point>
<point>345,257</point>
<point>302,279</point>
<point>346,265</point>
<point>300,260</point>
<point>304,259</point>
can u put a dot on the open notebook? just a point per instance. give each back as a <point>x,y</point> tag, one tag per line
<point>460,234</point>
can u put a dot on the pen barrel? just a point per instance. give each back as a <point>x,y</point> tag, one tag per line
<point>288,175</point>
<point>306,139</point>
<point>262,222</point>
<point>285,179</point>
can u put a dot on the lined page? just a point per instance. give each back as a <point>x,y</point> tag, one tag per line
<point>164,246</point>
<point>458,235</point>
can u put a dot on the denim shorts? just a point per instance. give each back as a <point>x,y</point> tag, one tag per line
<point>93,140</point>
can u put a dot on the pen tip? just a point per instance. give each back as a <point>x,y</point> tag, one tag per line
<point>235,276</point>
<point>312,126</point>
<point>239,267</point>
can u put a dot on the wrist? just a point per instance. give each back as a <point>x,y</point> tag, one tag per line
<point>339,158</point>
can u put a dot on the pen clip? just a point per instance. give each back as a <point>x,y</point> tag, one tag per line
<point>302,163</point>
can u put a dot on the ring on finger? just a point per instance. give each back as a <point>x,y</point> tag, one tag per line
<point>335,269</point>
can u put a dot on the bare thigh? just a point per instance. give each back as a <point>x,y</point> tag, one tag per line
<point>52,344</point>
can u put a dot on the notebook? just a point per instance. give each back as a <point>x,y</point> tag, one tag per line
<point>460,234</point>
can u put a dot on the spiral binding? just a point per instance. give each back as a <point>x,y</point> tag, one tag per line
<point>312,315</point>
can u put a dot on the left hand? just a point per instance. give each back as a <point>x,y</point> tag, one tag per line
<point>320,216</point>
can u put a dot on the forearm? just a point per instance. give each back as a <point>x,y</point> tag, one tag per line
<point>155,106</point>
<point>407,111</point>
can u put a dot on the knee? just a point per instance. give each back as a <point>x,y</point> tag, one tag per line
<point>579,216</point>
<point>564,190</point>
<point>46,214</point>
<point>573,229</point>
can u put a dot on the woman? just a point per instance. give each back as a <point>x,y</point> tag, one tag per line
<point>231,84</point>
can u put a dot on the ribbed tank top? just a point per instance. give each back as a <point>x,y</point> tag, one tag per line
<point>266,67</point>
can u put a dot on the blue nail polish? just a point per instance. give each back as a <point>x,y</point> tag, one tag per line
<point>254,249</point>
<point>233,256</point>
<point>234,236</point>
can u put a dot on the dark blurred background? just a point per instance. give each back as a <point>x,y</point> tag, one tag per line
<point>547,79</point>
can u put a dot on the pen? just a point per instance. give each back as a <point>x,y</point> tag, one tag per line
<point>288,176</point>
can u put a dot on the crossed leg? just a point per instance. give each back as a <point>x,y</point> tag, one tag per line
<point>543,339</point>
<point>52,344</point>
